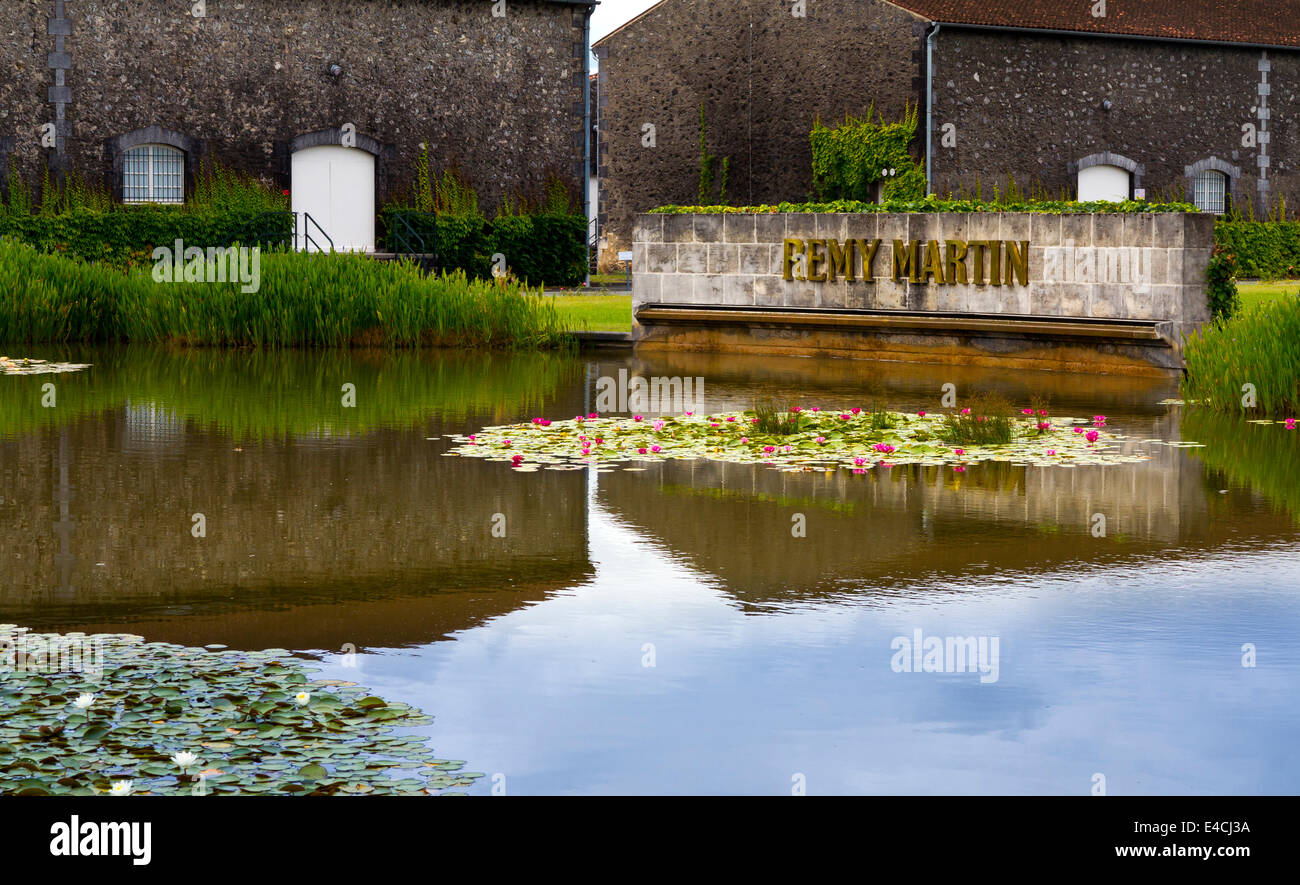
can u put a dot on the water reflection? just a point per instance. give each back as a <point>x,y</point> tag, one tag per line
<point>329,526</point>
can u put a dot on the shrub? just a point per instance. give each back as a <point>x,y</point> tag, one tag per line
<point>1221,280</point>
<point>849,159</point>
<point>1267,250</point>
<point>1260,347</point>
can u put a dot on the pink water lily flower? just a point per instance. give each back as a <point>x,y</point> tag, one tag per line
<point>858,462</point>
<point>846,417</point>
<point>1099,420</point>
<point>659,425</point>
<point>796,409</point>
<point>1051,451</point>
<point>1092,436</point>
<point>882,447</point>
<point>1078,430</point>
<point>769,449</point>
<point>731,420</point>
<point>959,452</point>
<point>965,411</point>
<point>1290,424</point>
<point>816,408</point>
<point>1026,411</point>
<point>857,411</point>
<point>821,440</point>
<point>593,415</point>
<point>505,442</point>
<point>637,418</point>
<point>656,449</point>
<point>1044,425</point>
<point>744,439</point>
<point>690,414</point>
<point>920,414</point>
<point>640,451</point>
<point>959,469</point>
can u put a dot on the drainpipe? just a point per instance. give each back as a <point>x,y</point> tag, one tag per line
<point>929,108</point>
<point>585,180</point>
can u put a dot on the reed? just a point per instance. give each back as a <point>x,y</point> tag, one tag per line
<point>302,300</point>
<point>1259,347</point>
<point>985,421</point>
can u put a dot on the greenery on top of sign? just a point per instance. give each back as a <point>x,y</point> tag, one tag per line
<point>934,204</point>
<point>864,160</point>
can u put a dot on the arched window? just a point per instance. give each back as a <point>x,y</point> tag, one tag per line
<point>153,173</point>
<point>1210,191</point>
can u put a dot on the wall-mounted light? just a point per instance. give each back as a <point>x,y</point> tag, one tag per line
<point>336,69</point>
<point>1107,105</point>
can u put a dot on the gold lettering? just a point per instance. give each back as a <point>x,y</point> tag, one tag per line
<point>933,263</point>
<point>1018,261</point>
<point>815,258</point>
<point>978,250</point>
<point>792,250</point>
<point>995,262</point>
<point>956,263</point>
<point>868,253</point>
<point>907,260</point>
<point>840,260</point>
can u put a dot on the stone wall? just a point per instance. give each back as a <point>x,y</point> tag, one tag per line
<point>764,76</point>
<point>500,97</point>
<point>1148,268</point>
<point>1032,107</point>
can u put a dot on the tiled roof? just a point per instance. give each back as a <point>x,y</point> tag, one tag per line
<point>1269,22</point>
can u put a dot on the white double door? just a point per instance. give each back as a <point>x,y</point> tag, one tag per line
<point>334,185</point>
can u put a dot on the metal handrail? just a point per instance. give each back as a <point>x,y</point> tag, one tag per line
<point>307,239</point>
<point>409,241</point>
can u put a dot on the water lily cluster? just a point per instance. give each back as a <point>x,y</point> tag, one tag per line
<point>165,719</point>
<point>854,439</point>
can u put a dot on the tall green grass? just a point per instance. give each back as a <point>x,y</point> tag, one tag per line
<point>304,300</point>
<point>1259,347</point>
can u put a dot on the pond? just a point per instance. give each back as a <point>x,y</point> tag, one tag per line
<point>683,626</point>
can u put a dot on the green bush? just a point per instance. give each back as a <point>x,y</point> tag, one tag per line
<point>849,159</point>
<point>304,300</point>
<point>1267,250</point>
<point>1221,283</point>
<point>124,236</point>
<point>1259,347</point>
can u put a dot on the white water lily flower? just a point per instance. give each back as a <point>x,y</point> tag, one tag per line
<point>120,788</point>
<point>184,759</point>
<point>84,701</point>
<point>302,698</point>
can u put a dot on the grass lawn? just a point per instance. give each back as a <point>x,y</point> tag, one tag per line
<point>1266,290</point>
<point>595,313</point>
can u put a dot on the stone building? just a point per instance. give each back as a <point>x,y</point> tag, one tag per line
<point>1095,99</point>
<point>330,99</point>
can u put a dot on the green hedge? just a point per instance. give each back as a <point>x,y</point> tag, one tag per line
<point>541,249</point>
<point>1267,250</point>
<point>933,204</point>
<point>124,235</point>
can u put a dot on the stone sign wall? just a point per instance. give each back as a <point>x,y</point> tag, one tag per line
<point>1004,275</point>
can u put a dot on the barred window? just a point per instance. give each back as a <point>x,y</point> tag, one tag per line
<point>154,173</point>
<point>1209,191</point>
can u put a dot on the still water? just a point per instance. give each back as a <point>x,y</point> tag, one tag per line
<point>665,631</point>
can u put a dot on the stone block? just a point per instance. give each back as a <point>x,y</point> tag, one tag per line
<point>738,228</point>
<point>754,258</point>
<point>1140,230</point>
<point>705,228</point>
<point>692,257</point>
<point>724,258</point>
<point>679,228</point>
<point>661,258</point>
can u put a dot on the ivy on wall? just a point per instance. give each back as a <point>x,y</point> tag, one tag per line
<point>850,159</point>
<point>709,165</point>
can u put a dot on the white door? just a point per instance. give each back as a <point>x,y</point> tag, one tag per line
<point>335,185</point>
<point>1103,183</point>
